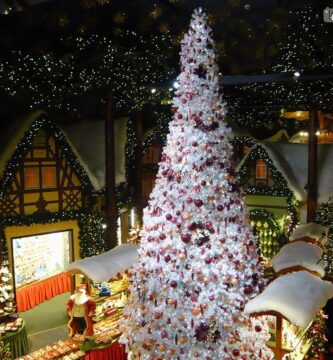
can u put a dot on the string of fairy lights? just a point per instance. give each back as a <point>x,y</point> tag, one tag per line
<point>90,223</point>
<point>305,49</point>
<point>130,68</point>
<point>324,216</point>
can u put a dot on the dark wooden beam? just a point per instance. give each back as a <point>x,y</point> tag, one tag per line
<point>110,182</point>
<point>232,80</point>
<point>278,338</point>
<point>312,166</point>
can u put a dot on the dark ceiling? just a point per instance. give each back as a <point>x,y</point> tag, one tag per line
<point>246,31</point>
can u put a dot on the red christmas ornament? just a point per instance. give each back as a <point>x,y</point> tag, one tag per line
<point>248,289</point>
<point>186,238</point>
<point>219,207</point>
<point>173,284</point>
<point>257,328</point>
<point>198,202</point>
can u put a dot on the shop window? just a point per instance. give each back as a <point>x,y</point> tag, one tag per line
<point>31,178</point>
<point>261,170</point>
<point>49,177</point>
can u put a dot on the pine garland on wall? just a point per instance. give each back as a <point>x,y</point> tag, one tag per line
<point>91,233</point>
<point>324,216</point>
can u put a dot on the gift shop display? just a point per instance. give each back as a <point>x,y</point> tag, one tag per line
<point>63,349</point>
<point>12,327</point>
<point>40,257</point>
<point>94,313</point>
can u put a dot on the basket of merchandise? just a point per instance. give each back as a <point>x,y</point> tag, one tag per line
<point>63,349</point>
<point>12,325</point>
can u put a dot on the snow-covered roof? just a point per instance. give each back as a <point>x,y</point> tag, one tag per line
<point>312,230</point>
<point>103,267</point>
<point>299,253</point>
<point>281,135</point>
<point>292,161</point>
<point>297,297</point>
<point>12,135</point>
<point>87,138</point>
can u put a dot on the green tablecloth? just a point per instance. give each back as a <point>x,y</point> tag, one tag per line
<point>18,341</point>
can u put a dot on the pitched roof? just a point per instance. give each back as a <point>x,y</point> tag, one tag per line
<point>292,161</point>
<point>85,138</point>
<point>12,135</point>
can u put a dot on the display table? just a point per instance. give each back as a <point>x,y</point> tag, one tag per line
<point>18,341</point>
<point>34,294</point>
<point>114,352</point>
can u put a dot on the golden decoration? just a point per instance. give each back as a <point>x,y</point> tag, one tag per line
<point>164,28</point>
<point>155,12</point>
<point>119,17</point>
<point>81,29</point>
<point>63,21</point>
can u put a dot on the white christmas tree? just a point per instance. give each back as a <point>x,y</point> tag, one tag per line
<point>6,289</point>
<point>197,263</point>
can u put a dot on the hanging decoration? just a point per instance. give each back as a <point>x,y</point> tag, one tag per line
<point>270,235</point>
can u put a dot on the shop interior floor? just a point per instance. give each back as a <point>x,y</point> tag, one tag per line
<point>48,315</point>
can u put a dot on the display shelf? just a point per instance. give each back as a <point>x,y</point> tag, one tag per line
<point>300,351</point>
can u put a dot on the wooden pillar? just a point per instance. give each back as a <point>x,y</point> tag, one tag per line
<point>278,338</point>
<point>312,166</point>
<point>110,182</point>
<point>138,167</point>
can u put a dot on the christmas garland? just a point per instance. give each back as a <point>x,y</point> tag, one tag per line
<point>258,152</point>
<point>91,232</point>
<point>243,140</point>
<point>159,131</point>
<point>324,216</point>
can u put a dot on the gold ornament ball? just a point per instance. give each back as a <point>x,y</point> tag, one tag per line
<point>196,311</point>
<point>181,318</point>
<point>183,340</point>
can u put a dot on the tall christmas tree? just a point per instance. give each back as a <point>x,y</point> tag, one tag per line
<point>197,263</point>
